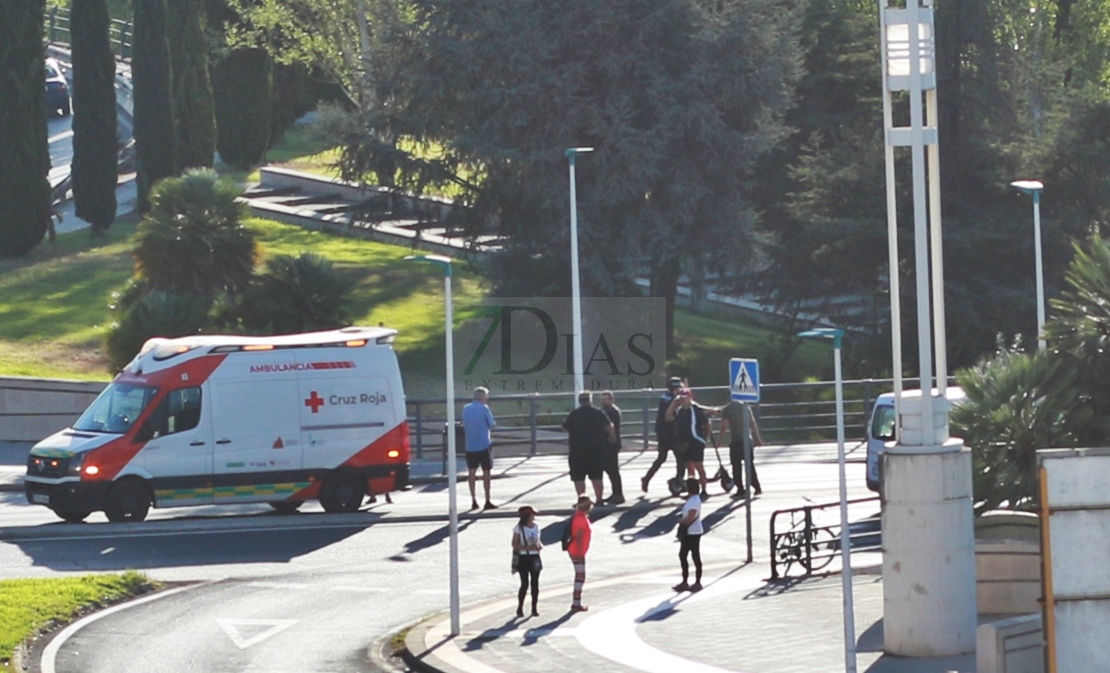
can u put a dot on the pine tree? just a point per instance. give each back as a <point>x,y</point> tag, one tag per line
<point>193,106</point>
<point>95,151</point>
<point>151,76</point>
<point>243,82</point>
<point>24,155</point>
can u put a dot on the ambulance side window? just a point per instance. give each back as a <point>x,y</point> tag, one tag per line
<point>178,411</point>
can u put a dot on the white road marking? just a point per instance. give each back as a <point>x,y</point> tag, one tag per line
<point>50,652</point>
<point>612,633</point>
<point>231,628</point>
<point>61,136</point>
<point>317,587</point>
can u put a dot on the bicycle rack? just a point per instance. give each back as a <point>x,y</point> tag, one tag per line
<point>815,546</point>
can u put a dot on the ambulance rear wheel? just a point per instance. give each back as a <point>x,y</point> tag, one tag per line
<point>73,515</point>
<point>342,492</point>
<point>127,501</point>
<point>286,506</point>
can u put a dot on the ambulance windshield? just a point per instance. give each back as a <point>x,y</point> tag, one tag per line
<point>115,409</point>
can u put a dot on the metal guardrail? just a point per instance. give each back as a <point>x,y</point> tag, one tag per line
<point>789,413</point>
<point>811,540</point>
<point>120,32</point>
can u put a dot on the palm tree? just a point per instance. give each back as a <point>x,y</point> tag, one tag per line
<point>1016,404</point>
<point>193,240</point>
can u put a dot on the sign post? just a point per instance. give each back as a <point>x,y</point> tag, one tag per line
<point>743,377</point>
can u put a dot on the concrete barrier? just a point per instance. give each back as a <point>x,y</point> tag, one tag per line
<point>1007,563</point>
<point>32,408</point>
<point>1010,646</point>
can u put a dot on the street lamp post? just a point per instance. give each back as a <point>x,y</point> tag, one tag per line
<point>845,534</point>
<point>452,460</point>
<point>575,284</point>
<point>927,517</point>
<point>1034,187</point>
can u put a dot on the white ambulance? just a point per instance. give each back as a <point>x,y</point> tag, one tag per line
<point>206,420</point>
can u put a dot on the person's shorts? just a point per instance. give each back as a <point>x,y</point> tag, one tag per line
<point>476,459</point>
<point>581,468</point>
<point>694,453</point>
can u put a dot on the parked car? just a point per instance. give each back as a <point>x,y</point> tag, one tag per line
<point>57,89</point>
<point>880,429</point>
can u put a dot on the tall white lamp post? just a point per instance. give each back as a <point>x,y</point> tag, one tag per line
<point>837,336</point>
<point>575,284</point>
<point>928,533</point>
<point>1034,187</point>
<point>452,456</point>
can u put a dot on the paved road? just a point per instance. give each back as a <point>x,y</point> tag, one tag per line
<point>315,591</point>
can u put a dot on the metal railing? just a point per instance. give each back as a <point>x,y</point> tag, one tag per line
<point>809,537</point>
<point>529,424</point>
<point>58,31</point>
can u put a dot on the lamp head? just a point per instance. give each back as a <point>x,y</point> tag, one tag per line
<point>834,333</point>
<point>439,260</point>
<point>1027,186</point>
<point>572,151</point>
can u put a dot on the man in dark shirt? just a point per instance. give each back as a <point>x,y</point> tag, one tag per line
<point>665,435</point>
<point>612,454</point>
<point>590,433</point>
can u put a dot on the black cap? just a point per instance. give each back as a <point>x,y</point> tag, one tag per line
<point>674,382</point>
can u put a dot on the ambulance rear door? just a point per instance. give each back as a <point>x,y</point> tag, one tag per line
<point>347,404</point>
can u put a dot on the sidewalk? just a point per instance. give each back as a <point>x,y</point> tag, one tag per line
<point>637,623</point>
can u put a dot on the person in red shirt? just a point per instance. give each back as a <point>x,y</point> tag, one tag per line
<point>579,545</point>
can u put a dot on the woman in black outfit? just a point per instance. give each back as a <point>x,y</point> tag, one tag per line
<point>526,541</point>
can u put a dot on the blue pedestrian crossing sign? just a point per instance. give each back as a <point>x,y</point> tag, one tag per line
<point>743,376</point>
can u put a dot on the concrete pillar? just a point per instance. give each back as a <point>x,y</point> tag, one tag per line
<point>1078,609</point>
<point>928,542</point>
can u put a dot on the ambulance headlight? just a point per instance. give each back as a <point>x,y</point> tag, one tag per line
<point>394,453</point>
<point>75,463</point>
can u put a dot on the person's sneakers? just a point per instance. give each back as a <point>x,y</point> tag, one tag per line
<point>615,500</point>
<point>695,587</point>
<point>473,505</point>
<point>489,505</point>
<point>578,608</point>
<point>681,586</point>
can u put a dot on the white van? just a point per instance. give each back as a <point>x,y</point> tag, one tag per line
<point>880,429</point>
<point>205,420</point>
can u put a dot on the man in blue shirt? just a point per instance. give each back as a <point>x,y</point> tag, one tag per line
<point>477,421</point>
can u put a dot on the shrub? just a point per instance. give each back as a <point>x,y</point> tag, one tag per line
<point>297,294</point>
<point>157,314</point>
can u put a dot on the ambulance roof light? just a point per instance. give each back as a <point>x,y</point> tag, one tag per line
<point>356,343</point>
<point>259,347</point>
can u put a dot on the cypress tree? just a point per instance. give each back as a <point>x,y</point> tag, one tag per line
<point>151,77</point>
<point>243,83</point>
<point>24,154</point>
<point>95,153</point>
<point>193,107</point>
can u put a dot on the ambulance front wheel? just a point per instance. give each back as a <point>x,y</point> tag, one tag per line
<point>72,515</point>
<point>127,501</point>
<point>342,492</point>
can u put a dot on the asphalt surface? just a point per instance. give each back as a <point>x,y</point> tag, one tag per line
<point>318,592</point>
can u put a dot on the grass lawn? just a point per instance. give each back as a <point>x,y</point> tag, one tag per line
<point>56,308</point>
<point>29,605</point>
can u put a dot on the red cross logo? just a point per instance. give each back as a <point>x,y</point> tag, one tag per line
<point>314,401</point>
